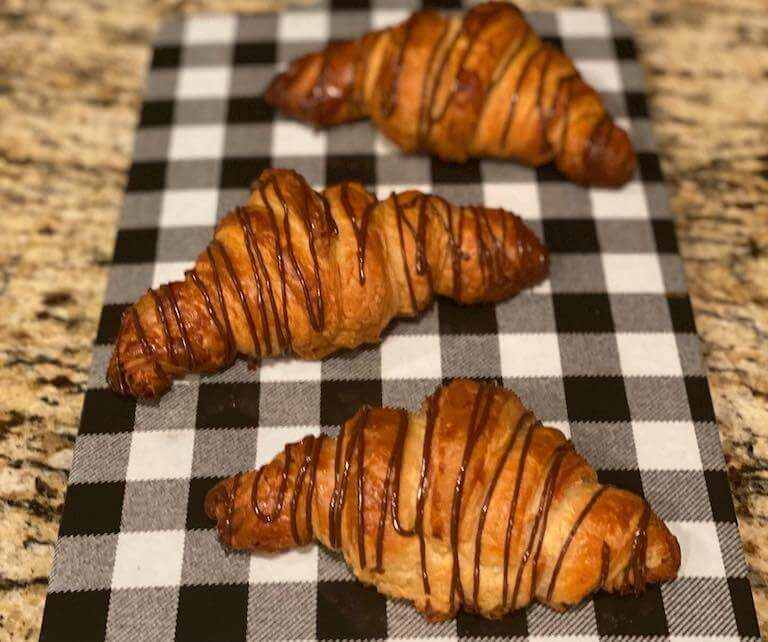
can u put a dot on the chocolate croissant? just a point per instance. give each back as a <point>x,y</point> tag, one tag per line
<point>470,503</point>
<point>484,85</point>
<point>301,271</point>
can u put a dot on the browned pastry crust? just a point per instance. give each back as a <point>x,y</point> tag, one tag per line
<point>307,272</point>
<point>469,503</point>
<point>484,85</point>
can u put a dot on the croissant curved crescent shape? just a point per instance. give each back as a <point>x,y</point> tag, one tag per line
<point>301,271</point>
<point>469,502</point>
<point>484,85</point>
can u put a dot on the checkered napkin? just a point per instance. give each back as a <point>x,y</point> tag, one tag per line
<point>606,350</point>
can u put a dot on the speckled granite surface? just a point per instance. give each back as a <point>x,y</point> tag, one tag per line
<point>71,73</point>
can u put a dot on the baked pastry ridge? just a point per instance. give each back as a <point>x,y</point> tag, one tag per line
<point>484,84</point>
<point>306,272</point>
<point>469,503</point>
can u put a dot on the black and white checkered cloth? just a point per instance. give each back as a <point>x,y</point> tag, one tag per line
<point>606,350</point>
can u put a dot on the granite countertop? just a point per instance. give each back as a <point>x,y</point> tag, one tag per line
<point>71,74</point>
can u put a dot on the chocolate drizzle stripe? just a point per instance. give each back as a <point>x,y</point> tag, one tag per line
<point>637,564</point>
<point>361,495</point>
<point>483,399</point>
<point>231,511</point>
<point>513,509</point>
<point>389,101</point>
<point>146,347</point>
<point>268,518</point>
<point>253,250</point>
<point>283,333</point>
<point>185,342</point>
<point>160,311</point>
<point>545,501</point>
<point>525,417</point>
<point>208,303</point>
<point>544,145</point>
<point>566,544</point>
<point>222,302</point>
<point>361,230</point>
<point>241,295</point>
<point>406,270</point>
<point>516,94</point>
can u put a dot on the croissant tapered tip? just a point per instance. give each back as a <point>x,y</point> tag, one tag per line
<point>612,163</point>
<point>215,499</point>
<point>534,256</point>
<point>663,556</point>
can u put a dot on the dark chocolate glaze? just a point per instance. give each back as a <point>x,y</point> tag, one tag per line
<point>160,312</point>
<point>567,542</point>
<point>524,419</point>
<point>360,229</point>
<point>636,564</point>
<point>389,101</point>
<point>516,93</point>
<point>185,342</point>
<point>484,399</point>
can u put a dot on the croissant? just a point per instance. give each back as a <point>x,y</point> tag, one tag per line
<point>469,502</point>
<point>484,85</point>
<point>308,272</point>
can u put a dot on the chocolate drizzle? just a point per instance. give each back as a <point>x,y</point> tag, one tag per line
<point>524,418</point>
<point>389,102</point>
<point>566,544</point>
<point>483,399</point>
<point>302,459</point>
<point>360,229</point>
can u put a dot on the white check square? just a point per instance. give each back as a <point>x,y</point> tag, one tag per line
<point>701,555</point>
<point>632,273</point>
<point>530,355</point>
<point>381,18</point>
<point>207,29</point>
<point>170,271</point>
<point>203,82</point>
<point>384,147</point>
<point>185,208</point>
<point>196,141</point>
<point>297,565</point>
<point>270,440</point>
<point>146,559</point>
<point>290,370</point>
<point>603,75</point>
<point>648,354</point>
<point>666,445</point>
<point>583,22</point>
<point>161,454</point>
<point>411,357</point>
<point>295,139</point>
<point>627,202</point>
<point>303,26</point>
<point>520,198</point>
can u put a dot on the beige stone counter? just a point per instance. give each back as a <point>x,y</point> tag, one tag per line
<point>71,73</point>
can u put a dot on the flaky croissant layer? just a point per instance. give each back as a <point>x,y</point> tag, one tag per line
<point>469,503</point>
<point>309,272</point>
<point>481,85</point>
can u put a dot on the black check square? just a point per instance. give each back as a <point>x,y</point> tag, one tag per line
<point>146,175</point>
<point>228,405</point>
<point>156,113</point>
<point>596,399</point>
<point>447,172</point>
<point>79,615</point>
<point>198,489</point>
<point>106,412</point>
<point>109,322</point>
<point>212,613</point>
<point>630,616</point>
<point>583,312</point>
<point>136,245</point>
<point>463,319</point>
<point>339,400</point>
<point>568,235</point>
<point>358,167</point>
<point>471,625</point>
<point>259,53</point>
<point>92,509</point>
<point>205,133</point>
<point>350,611</point>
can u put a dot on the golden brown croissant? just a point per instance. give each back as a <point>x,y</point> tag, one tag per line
<point>484,85</point>
<point>469,503</point>
<point>308,272</point>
